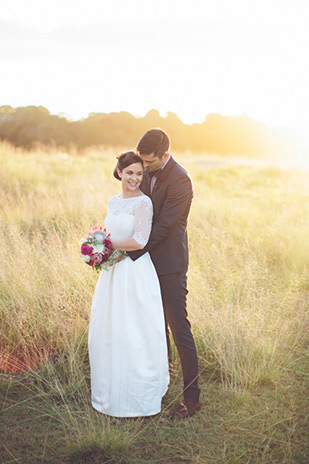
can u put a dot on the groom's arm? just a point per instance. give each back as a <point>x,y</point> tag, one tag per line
<point>178,200</point>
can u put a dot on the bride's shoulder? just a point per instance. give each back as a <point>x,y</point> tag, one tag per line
<point>113,202</point>
<point>144,203</point>
<point>145,198</point>
<point>113,199</point>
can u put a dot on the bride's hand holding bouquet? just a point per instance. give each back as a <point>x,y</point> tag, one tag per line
<point>97,250</point>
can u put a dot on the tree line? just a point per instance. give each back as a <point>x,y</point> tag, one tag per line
<point>29,126</point>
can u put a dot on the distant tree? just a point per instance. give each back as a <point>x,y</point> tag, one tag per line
<point>27,126</point>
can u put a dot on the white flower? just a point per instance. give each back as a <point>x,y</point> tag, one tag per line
<point>97,248</point>
<point>81,241</point>
<point>86,258</point>
<point>99,235</point>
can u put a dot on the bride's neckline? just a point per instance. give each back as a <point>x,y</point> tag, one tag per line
<point>129,198</point>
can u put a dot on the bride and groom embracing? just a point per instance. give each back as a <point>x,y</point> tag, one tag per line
<point>140,297</point>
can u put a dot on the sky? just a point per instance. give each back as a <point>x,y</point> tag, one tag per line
<point>191,58</point>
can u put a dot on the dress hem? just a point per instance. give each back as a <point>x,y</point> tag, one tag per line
<point>127,415</point>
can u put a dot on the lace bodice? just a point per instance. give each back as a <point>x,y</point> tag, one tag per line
<point>129,217</point>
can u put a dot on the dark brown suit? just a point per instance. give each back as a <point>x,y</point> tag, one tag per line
<point>168,247</point>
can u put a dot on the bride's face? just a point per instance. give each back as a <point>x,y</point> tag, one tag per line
<point>131,178</point>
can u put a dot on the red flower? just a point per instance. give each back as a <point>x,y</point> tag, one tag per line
<point>86,250</point>
<point>108,243</point>
<point>105,258</point>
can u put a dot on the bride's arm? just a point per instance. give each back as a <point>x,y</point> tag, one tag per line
<point>142,227</point>
<point>127,244</point>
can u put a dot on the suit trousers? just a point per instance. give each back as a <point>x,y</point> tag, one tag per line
<point>174,295</point>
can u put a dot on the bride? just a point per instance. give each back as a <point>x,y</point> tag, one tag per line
<point>127,341</point>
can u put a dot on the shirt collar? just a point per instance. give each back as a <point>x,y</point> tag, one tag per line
<point>169,157</point>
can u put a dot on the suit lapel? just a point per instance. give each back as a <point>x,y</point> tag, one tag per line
<point>161,177</point>
<point>145,185</point>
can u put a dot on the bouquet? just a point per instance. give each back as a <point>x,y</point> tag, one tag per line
<point>96,250</point>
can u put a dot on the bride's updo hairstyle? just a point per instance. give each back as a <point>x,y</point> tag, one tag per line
<point>125,160</point>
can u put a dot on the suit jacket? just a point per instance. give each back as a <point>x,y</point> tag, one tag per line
<point>171,197</point>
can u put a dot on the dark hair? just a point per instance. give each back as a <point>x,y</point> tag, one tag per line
<point>154,141</point>
<point>125,160</point>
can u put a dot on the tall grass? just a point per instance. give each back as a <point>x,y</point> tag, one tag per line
<point>248,277</point>
<point>248,288</point>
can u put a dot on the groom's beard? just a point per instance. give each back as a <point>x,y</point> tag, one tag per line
<point>153,173</point>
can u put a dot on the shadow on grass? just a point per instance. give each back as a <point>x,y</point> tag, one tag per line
<point>95,449</point>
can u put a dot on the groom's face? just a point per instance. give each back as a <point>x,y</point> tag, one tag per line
<point>152,162</point>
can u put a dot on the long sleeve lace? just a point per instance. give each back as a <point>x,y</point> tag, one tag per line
<point>143,221</point>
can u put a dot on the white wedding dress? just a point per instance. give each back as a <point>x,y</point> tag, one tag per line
<point>127,341</point>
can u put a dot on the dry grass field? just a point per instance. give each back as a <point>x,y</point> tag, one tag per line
<point>248,304</point>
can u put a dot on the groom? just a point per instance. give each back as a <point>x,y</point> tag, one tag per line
<point>169,186</point>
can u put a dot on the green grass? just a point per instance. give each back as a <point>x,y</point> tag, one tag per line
<point>267,424</point>
<point>248,304</point>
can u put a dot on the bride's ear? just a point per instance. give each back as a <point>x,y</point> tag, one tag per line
<point>119,173</point>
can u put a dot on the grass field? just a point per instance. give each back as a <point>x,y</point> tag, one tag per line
<point>248,304</point>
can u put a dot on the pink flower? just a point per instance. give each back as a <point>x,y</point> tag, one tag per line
<point>97,258</point>
<point>86,250</point>
<point>107,251</point>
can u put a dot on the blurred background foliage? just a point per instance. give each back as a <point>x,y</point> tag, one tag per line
<point>31,126</point>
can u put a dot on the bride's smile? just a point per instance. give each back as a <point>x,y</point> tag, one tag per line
<point>131,178</point>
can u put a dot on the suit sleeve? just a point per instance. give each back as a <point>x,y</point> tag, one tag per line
<point>179,197</point>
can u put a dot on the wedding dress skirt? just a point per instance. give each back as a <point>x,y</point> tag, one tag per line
<point>127,341</point>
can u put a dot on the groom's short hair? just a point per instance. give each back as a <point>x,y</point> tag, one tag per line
<point>154,141</point>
